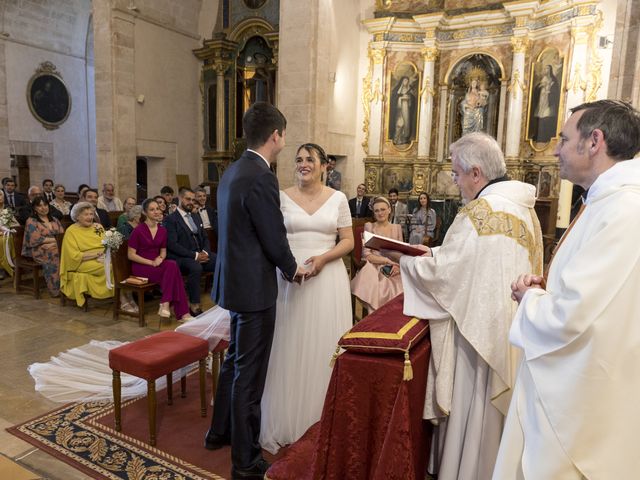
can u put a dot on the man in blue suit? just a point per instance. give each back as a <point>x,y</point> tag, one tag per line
<point>252,242</point>
<point>188,245</point>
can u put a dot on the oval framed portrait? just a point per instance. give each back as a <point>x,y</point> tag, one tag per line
<point>48,97</point>
<point>254,4</point>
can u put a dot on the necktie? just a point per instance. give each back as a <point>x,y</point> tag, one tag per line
<point>10,200</point>
<point>358,204</point>
<point>192,224</point>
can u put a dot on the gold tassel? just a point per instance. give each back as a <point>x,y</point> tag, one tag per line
<point>408,369</point>
<point>334,357</point>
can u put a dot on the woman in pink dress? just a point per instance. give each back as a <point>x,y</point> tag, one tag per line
<point>379,280</point>
<point>148,252</point>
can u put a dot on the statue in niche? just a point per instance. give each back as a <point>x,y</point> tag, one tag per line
<point>402,111</point>
<point>473,106</point>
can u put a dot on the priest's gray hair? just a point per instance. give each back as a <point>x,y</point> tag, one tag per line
<point>78,208</point>
<point>479,150</point>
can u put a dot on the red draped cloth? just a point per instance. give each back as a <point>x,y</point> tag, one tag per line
<point>371,426</point>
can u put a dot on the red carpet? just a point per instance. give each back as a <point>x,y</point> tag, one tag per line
<point>83,436</point>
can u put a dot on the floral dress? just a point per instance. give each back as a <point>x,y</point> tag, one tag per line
<point>47,255</point>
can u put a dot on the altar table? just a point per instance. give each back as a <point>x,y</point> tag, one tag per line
<point>371,426</point>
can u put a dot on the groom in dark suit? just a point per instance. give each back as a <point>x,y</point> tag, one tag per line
<point>252,242</point>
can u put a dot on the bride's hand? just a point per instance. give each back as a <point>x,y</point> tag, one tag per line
<point>314,265</point>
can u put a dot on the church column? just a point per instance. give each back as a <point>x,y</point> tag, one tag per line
<point>377,56</point>
<point>426,101</point>
<point>516,96</point>
<point>221,126</point>
<point>576,87</point>
<point>5,160</point>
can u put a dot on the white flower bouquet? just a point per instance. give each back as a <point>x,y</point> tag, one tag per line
<point>5,218</point>
<point>112,239</point>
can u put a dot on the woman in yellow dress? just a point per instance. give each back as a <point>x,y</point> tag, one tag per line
<point>82,260</point>
<point>6,240</point>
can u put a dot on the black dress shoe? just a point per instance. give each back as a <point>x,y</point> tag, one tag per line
<point>254,473</point>
<point>195,312</point>
<point>214,442</point>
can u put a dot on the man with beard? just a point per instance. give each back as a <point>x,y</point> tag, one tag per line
<point>188,245</point>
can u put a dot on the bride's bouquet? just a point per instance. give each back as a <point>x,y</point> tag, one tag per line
<point>112,239</point>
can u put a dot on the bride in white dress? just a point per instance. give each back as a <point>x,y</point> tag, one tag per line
<point>311,317</point>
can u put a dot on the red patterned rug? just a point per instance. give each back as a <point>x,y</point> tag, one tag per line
<point>83,436</point>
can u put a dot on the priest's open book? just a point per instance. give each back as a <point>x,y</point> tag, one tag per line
<point>376,242</point>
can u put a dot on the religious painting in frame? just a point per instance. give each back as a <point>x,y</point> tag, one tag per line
<point>397,177</point>
<point>48,97</point>
<point>545,98</point>
<point>402,106</point>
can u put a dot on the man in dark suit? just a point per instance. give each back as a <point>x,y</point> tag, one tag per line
<point>359,206</point>
<point>47,189</point>
<point>207,213</point>
<point>188,245</point>
<point>12,198</point>
<point>102,217</point>
<point>252,242</point>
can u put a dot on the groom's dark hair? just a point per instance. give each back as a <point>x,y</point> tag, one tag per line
<point>260,121</point>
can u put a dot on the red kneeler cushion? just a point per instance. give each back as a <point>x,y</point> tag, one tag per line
<point>157,355</point>
<point>387,330</point>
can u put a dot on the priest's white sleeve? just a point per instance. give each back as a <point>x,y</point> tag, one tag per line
<point>418,302</point>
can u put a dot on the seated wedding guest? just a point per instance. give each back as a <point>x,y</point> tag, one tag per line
<point>399,211</point>
<point>108,201</point>
<point>81,189</point>
<point>206,212</point>
<point>423,222</point>
<point>162,203</point>
<point>26,211</point>
<point>379,280</point>
<point>47,189</point>
<point>7,223</point>
<point>127,204</point>
<point>169,199</point>
<point>40,242</point>
<point>359,205</point>
<point>82,257</point>
<point>100,215</point>
<point>148,252</point>
<point>463,288</point>
<point>132,221</point>
<point>13,199</point>
<point>188,245</point>
<point>59,203</point>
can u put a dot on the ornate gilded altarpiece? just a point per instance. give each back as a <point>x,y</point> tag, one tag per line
<point>441,68</point>
<point>239,65</point>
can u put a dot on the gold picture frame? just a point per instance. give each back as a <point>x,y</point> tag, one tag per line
<point>403,106</point>
<point>546,100</point>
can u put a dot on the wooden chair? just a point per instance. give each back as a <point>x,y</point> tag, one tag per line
<point>63,297</point>
<point>356,254</point>
<point>25,264</point>
<point>121,266</point>
<point>113,218</point>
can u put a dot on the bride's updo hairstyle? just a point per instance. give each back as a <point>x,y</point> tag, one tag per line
<point>316,148</point>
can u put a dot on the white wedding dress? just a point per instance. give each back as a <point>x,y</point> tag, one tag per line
<point>310,319</point>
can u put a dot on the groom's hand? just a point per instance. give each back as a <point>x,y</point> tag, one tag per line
<point>300,275</point>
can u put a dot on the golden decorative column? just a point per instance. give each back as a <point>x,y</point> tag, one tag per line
<point>220,68</point>
<point>516,97</point>
<point>372,101</point>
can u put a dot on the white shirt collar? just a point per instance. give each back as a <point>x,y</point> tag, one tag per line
<point>266,161</point>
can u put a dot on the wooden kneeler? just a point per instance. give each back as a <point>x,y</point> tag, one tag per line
<point>153,357</point>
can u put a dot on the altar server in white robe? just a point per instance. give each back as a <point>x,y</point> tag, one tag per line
<point>574,412</point>
<point>464,290</point>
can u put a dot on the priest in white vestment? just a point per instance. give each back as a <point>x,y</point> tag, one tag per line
<point>463,289</point>
<point>574,412</point>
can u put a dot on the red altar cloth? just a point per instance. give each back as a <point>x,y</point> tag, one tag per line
<point>371,426</point>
